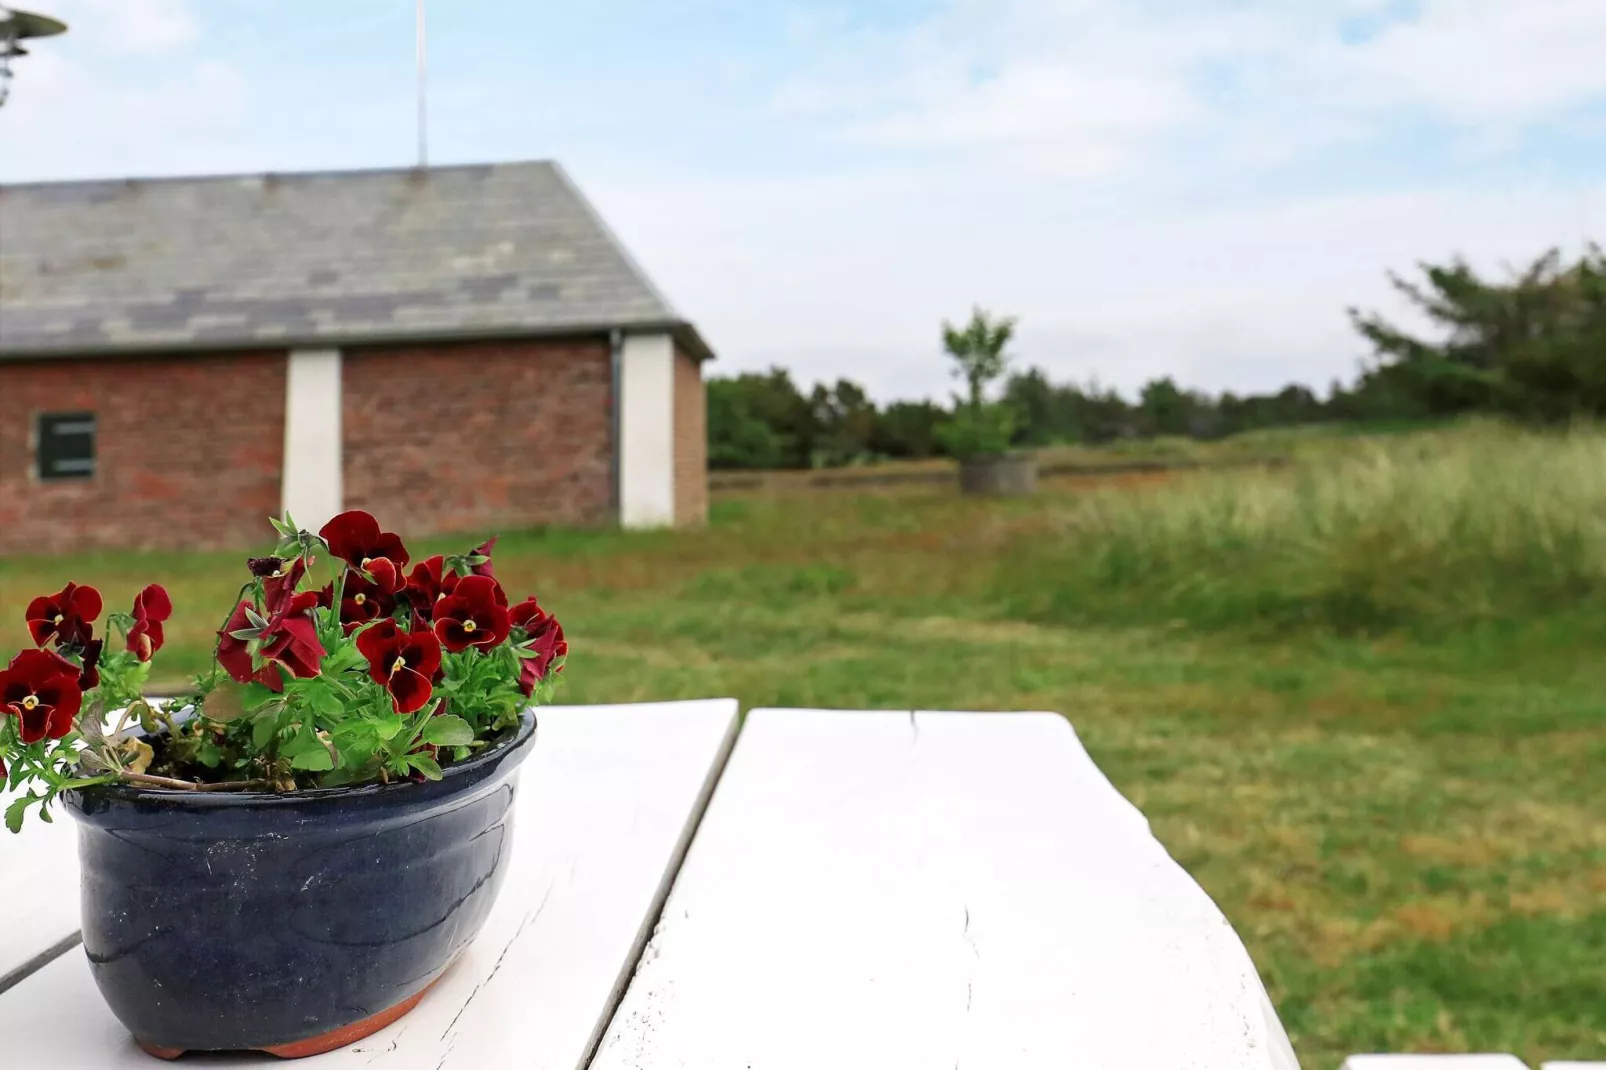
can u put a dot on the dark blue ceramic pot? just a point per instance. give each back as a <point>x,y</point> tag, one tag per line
<point>288,923</point>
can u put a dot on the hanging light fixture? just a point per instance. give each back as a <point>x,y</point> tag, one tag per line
<point>16,27</point>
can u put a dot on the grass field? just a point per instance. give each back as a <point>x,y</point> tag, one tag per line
<point>1362,699</point>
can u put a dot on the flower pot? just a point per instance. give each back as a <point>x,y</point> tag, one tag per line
<point>293,923</point>
<point>1012,475</point>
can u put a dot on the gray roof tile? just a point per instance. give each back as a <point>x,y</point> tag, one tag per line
<point>340,257</point>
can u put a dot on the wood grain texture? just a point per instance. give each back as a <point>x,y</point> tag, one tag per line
<point>935,890</point>
<point>607,801</point>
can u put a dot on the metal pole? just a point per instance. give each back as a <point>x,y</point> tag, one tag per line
<point>423,112</point>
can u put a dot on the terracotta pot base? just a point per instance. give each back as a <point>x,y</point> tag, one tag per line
<point>318,1045</point>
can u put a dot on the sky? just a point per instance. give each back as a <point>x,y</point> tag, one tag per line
<point>1194,189</point>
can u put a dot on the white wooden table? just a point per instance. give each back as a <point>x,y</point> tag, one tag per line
<point>865,890</point>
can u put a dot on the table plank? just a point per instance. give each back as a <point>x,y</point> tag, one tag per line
<point>41,867</point>
<point>607,802</point>
<point>40,864</point>
<point>934,890</point>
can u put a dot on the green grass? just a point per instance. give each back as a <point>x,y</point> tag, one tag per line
<point>1362,700</point>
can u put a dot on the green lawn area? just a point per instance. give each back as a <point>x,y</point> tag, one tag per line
<point>1361,704</point>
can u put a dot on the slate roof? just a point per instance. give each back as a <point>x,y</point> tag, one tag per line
<point>332,258</point>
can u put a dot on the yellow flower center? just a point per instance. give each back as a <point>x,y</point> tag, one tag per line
<point>359,599</point>
<point>278,572</point>
<point>401,663</point>
<point>57,619</point>
<point>30,702</point>
<point>468,626</point>
<point>366,561</point>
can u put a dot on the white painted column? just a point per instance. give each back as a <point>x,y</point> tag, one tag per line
<point>647,431</point>
<point>312,491</point>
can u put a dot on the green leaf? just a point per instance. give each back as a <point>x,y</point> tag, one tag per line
<point>86,782</point>
<point>208,755</point>
<point>426,765</point>
<point>316,761</point>
<point>322,699</point>
<point>339,778</point>
<point>357,753</point>
<point>263,731</point>
<point>386,729</point>
<point>15,811</point>
<point>305,741</point>
<point>257,695</point>
<point>448,732</point>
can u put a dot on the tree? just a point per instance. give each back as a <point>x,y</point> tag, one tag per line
<point>1165,409</point>
<point>907,429</point>
<point>844,423</point>
<point>759,420</point>
<point>1533,346</point>
<point>978,350</point>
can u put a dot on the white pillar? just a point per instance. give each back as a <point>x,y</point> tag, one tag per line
<point>311,490</point>
<point>647,431</point>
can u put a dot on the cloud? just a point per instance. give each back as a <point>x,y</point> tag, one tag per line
<point>835,277</point>
<point>98,101</point>
<point>1479,62</point>
<point>1113,82</point>
<point>140,27</point>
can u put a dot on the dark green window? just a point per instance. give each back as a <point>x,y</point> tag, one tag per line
<point>66,445</point>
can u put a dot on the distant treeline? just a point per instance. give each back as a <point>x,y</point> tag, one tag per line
<point>1532,347</point>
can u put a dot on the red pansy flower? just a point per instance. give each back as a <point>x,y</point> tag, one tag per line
<point>64,616</point>
<point>152,607</point>
<point>41,690</point>
<point>355,537</point>
<point>484,550</point>
<point>89,675</point>
<point>474,614</point>
<point>425,586</point>
<point>362,600</point>
<point>290,640</point>
<point>279,585</point>
<point>403,663</point>
<point>544,635</point>
<point>526,611</point>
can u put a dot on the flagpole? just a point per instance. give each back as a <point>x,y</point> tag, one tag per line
<point>423,112</point>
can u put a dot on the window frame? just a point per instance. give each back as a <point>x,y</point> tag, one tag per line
<point>52,472</point>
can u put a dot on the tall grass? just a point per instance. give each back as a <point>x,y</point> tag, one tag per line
<point>1432,531</point>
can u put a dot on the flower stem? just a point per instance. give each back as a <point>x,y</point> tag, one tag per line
<point>191,785</point>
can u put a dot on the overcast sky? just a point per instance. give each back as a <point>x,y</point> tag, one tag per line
<point>818,185</point>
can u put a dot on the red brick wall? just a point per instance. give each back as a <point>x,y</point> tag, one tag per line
<point>188,452</point>
<point>479,436</point>
<point>691,443</point>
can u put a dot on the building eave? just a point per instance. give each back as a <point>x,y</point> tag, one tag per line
<point>684,333</point>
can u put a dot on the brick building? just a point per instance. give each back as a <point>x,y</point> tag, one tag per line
<point>454,349</point>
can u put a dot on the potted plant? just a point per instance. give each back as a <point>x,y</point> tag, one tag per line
<point>979,433</point>
<point>288,855</point>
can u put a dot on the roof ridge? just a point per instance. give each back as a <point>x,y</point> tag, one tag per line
<point>235,176</point>
<point>613,239</point>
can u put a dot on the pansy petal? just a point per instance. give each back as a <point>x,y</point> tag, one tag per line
<point>86,603</point>
<point>409,690</point>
